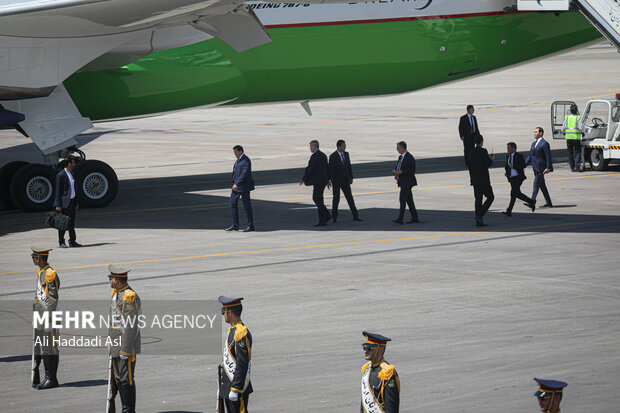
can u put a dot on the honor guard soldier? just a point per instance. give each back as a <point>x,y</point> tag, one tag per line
<point>45,344</point>
<point>124,336</point>
<point>549,395</point>
<point>234,382</point>
<point>380,382</point>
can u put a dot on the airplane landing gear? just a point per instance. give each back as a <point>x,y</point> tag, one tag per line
<point>97,183</point>
<point>6,174</point>
<point>31,187</point>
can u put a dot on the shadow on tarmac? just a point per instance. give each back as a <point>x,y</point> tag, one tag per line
<point>13,359</point>
<point>175,203</point>
<point>85,383</point>
<point>30,153</point>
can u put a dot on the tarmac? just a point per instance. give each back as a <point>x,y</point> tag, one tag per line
<point>474,313</point>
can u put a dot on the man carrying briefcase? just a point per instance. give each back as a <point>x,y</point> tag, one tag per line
<point>66,201</point>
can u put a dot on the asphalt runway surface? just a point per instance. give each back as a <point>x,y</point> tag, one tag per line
<point>474,313</point>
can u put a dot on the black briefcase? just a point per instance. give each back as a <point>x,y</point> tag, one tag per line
<point>57,220</point>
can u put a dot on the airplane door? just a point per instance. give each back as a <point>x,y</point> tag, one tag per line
<point>559,110</point>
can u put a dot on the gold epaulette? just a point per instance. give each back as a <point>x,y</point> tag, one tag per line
<point>364,366</point>
<point>387,371</point>
<point>50,275</point>
<point>240,332</point>
<point>129,296</point>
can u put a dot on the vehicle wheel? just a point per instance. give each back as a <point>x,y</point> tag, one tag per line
<point>97,183</point>
<point>597,160</point>
<point>6,174</point>
<point>32,187</point>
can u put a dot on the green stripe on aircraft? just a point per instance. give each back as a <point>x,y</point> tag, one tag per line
<point>322,62</point>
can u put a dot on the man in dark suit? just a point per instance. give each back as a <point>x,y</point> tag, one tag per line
<point>468,129</point>
<point>515,165</point>
<point>404,173</point>
<point>341,175</point>
<point>65,200</point>
<point>242,185</point>
<point>316,174</point>
<point>479,161</point>
<point>540,159</point>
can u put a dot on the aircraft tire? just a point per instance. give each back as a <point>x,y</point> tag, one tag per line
<point>6,174</point>
<point>32,187</point>
<point>597,160</point>
<point>97,183</point>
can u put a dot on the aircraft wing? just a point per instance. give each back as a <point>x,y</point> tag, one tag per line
<point>43,42</point>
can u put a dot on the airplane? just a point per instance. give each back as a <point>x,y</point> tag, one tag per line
<point>212,53</point>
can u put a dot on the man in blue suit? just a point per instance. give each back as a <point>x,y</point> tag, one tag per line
<point>540,159</point>
<point>242,185</point>
<point>66,201</point>
<point>316,174</point>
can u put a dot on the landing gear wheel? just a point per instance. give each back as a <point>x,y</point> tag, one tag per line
<point>6,174</point>
<point>97,183</point>
<point>32,187</point>
<point>597,160</point>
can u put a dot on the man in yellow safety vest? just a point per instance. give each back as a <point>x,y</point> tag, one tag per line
<point>572,133</point>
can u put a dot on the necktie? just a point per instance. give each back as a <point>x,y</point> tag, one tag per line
<point>511,156</point>
<point>471,122</point>
<point>342,157</point>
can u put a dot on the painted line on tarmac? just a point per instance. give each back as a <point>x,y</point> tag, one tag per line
<point>336,244</point>
<point>223,204</point>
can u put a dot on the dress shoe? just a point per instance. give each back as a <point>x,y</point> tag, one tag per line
<point>507,213</point>
<point>358,219</point>
<point>480,222</point>
<point>334,219</point>
<point>232,228</point>
<point>397,221</point>
<point>320,224</point>
<point>74,244</point>
<point>250,228</point>
<point>532,206</point>
<point>547,205</point>
<point>63,245</point>
<point>413,221</point>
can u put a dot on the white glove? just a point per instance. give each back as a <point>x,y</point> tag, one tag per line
<point>233,396</point>
<point>124,357</point>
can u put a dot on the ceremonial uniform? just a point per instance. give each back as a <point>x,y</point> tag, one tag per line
<point>380,382</point>
<point>549,394</point>
<point>45,344</point>
<point>236,362</point>
<point>124,336</point>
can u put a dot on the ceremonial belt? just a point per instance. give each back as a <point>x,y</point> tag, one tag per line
<point>230,365</point>
<point>369,402</point>
<point>41,294</point>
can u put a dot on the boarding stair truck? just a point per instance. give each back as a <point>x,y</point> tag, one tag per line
<point>600,127</point>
